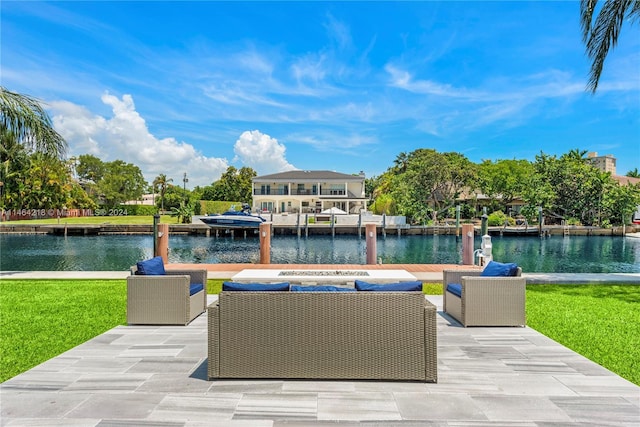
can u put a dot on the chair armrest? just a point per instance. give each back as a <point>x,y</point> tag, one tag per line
<point>455,276</point>
<point>160,282</point>
<point>195,276</point>
<point>492,285</point>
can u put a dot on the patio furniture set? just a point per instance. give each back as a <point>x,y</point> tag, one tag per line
<point>287,331</point>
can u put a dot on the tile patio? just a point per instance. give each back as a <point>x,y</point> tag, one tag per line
<point>156,376</point>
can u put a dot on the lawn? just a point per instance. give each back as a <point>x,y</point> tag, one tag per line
<point>600,322</point>
<point>89,220</point>
<point>40,319</point>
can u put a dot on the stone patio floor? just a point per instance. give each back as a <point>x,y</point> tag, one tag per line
<point>156,376</point>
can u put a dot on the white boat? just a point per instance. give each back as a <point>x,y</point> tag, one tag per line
<point>233,218</point>
<point>636,216</point>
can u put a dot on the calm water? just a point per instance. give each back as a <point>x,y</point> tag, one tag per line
<point>578,254</point>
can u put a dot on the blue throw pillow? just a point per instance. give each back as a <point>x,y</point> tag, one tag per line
<point>194,288</point>
<point>497,269</point>
<point>233,286</point>
<point>455,288</point>
<point>389,287</point>
<point>320,288</point>
<point>151,267</point>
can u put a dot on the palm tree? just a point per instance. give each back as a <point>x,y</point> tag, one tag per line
<point>634,173</point>
<point>31,125</point>
<point>161,182</point>
<point>601,35</point>
<point>576,154</point>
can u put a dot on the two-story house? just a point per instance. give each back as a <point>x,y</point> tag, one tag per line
<point>309,192</point>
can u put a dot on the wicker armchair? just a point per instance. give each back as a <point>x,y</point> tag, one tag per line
<point>165,300</point>
<point>485,301</point>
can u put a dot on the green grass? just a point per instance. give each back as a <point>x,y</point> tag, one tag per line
<point>600,322</point>
<point>40,319</point>
<point>432,288</point>
<point>89,220</point>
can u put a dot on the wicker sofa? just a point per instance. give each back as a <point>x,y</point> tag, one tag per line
<point>485,301</point>
<point>165,299</point>
<point>322,335</point>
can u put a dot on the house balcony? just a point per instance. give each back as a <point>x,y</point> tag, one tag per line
<point>303,192</point>
<point>272,192</point>
<point>333,193</point>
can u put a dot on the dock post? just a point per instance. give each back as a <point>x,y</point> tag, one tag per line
<point>306,225</point>
<point>163,242</point>
<point>371,243</point>
<point>298,225</point>
<point>540,220</point>
<point>467,244</point>
<point>457,220</point>
<point>384,225</point>
<point>156,221</point>
<point>265,243</point>
<point>484,225</point>
<point>333,225</point>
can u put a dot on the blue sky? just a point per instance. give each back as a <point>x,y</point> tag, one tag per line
<point>195,87</point>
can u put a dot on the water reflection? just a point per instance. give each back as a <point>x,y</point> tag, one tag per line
<point>552,254</point>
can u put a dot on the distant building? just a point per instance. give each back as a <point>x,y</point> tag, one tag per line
<point>307,191</point>
<point>147,199</point>
<point>606,163</point>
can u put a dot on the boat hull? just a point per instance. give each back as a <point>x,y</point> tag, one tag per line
<point>223,221</point>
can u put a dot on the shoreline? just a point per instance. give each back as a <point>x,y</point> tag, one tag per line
<point>429,273</point>
<point>310,230</point>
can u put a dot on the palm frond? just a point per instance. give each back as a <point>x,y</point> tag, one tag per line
<point>602,35</point>
<point>29,122</point>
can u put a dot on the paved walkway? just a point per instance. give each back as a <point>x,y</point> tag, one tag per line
<point>425,272</point>
<point>156,376</point>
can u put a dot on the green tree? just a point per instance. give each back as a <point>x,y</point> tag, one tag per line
<point>635,173</point>
<point>619,203</point>
<point>90,171</point>
<point>48,183</point>
<point>233,185</point>
<point>370,186</point>
<point>601,35</point>
<point>504,180</point>
<point>577,187</point>
<point>14,161</point>
<point>160,186</point>
<point>184,212</point>
<point>425,183</point>
<point>30,124</point>
<point>174,195</point>
<point>121,182</point>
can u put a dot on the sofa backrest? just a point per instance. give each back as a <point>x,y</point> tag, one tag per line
<point>336,332</point>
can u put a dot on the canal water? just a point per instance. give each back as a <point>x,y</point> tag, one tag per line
<point>573,254</point>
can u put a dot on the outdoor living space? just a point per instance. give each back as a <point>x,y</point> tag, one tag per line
<point>157,375</point>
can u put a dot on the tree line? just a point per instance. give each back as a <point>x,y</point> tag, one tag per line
<point>426,186</point>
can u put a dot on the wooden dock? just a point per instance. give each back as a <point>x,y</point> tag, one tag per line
<point>302,230</point>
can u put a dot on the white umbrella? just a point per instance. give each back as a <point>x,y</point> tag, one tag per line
<point>334,210</point>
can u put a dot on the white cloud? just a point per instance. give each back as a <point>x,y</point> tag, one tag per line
<point>262,152</point>
<point>125,136</point>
